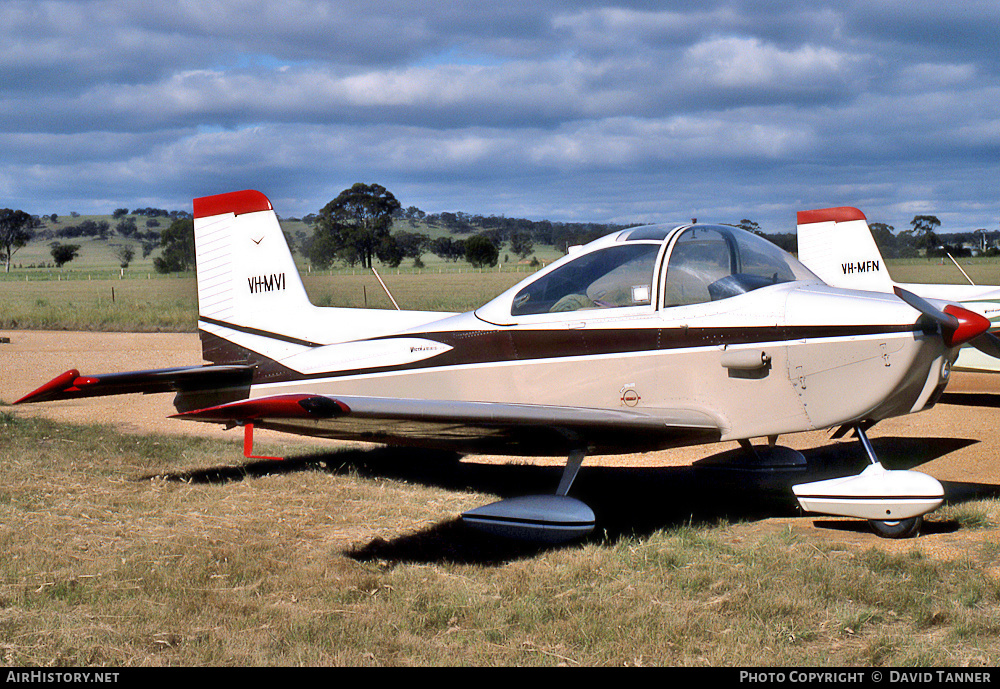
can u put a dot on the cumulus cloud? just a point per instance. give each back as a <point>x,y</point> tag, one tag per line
<point>747,65</point>
<point>592,111</point>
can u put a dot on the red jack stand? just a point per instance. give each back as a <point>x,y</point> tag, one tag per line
<point>248,444</point>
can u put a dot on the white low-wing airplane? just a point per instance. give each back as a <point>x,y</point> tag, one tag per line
<point>837,245</point>
<point>649,338</point>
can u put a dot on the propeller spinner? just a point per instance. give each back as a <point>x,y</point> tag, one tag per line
<point>958,325</point>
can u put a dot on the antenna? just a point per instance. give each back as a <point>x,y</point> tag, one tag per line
<point>394,301</point>
<point>956,265</point>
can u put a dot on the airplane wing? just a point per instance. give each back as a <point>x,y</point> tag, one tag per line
<point>190,380</point>
<point>475,427</point>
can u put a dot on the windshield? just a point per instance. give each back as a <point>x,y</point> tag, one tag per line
<point>608,278</point>
<point>717,262</point>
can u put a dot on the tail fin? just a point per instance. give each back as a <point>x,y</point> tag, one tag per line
<point>837,245</point>
<point>246,274</point>
<point>249,289</point>
<point>252,306</point>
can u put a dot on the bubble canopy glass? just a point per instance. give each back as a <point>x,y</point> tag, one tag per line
<point>704,263</point>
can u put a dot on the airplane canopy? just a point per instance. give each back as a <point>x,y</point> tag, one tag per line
<point>647,268</point>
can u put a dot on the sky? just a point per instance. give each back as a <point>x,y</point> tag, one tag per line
<point>572,111</point>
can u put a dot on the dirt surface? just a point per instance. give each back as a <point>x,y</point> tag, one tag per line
<point>955,441</point>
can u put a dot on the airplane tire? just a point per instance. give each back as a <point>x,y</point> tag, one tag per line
<point>901,528</point>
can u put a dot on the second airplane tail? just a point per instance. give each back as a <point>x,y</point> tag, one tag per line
<point>837,245</point>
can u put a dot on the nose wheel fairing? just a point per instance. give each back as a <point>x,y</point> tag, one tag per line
<point>876,493</point>
<point>893,501</point>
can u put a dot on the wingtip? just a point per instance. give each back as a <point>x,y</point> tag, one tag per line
<point>277,406</point>
<point>59,384</point>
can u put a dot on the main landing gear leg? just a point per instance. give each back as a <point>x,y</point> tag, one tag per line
<point>573,463</point>
<point>898,528</point>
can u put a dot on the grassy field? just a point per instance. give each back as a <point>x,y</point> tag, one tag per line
<point>170,304</point>
<point>983,271</point>
<point>146,302</point>
<point>125,550</point>
<point>93,292</point>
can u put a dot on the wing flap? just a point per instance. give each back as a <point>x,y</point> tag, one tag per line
<point>72,385</point>
<point>523,429</point>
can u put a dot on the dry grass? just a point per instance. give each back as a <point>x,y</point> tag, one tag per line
<point>131,550</point>
<point>134,305</point>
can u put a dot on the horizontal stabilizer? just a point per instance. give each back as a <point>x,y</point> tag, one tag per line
<point>72,385</point>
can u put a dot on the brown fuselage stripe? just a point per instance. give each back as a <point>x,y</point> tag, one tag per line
<point>495,346</point>
<point>257,331</point>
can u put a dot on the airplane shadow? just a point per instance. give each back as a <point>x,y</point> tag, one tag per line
<point>971,399</point>
<point>628,502</point>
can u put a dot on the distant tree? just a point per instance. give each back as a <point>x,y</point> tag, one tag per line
<point>389,252</point>
<point>154,212</point>
<point>413,214</point>
<point>126,227</point>
<point>480,251</point>
<point>889,245</point>
<point>63,253</point>
<point>783,240</point>
<point>750,226</point>
<point>412,244</point>
<point>321,250</point>
<point>521,244</point>
<point>54,217</point>
<point>177,242</point>
<point>124,254</point>
<point>356,224</point>
<point>448,248</point>
<point>882,234</point>
<point>87,228</point>
<point>495,235</point>
<point>16,230</point>
<point>290,241</point>
<point>924,227</point>
<point>456,222</point>
<point>119,213</point>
